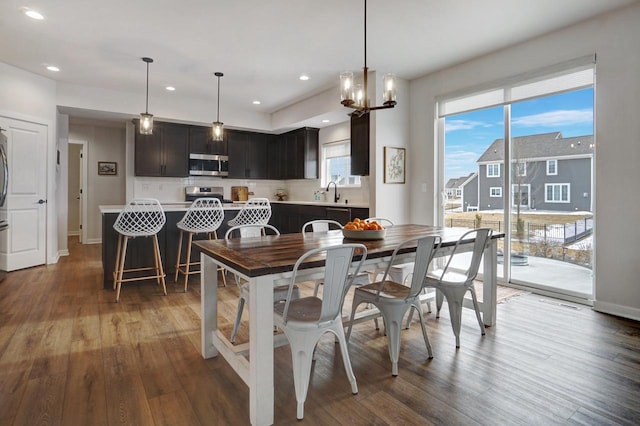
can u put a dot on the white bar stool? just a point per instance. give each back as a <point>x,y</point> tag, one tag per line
<point>257,211</point>
<point>142,217</point>
<point>203,217</point>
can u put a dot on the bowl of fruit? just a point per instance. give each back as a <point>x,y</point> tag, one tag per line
<point>358,229</point>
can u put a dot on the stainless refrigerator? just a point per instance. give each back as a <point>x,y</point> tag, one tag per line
<point>4,182</point>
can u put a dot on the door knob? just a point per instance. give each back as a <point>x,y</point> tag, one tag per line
<point>41,201</point>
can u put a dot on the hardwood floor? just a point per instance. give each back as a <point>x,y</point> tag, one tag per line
<point>70,355</point>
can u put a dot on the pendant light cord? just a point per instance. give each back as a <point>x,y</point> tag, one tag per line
<point>146,108</point>
<point>365,33</point>
<point>218,114</point>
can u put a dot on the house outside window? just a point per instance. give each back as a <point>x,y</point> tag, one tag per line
<point>557,192</point>
<point>521,168</point>
<point>336,164</point>
<point>552,167</point>
<point>493,170</point>
<point>495,191</point>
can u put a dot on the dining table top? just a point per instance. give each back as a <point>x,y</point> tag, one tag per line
<point>273,254</point>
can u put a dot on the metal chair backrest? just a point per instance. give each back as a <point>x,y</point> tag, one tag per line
<point>337,262</point>
<point>141,217</point>
<point>321,225</point>
<point>248,231</point>
<point>255,211</point>
<point>386,223</point>
<point>426,248</point>
<point>204,215</point>
<point>482,237</point>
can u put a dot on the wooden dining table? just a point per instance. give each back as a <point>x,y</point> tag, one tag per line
<point>267,261</point>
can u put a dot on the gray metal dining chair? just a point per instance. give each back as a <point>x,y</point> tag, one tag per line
<point>393,299</point>
<point>452,285</point>
<point>279,292</point>
<point>305,320</point>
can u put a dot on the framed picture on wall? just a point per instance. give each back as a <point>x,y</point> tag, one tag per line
<point>394,164</point>
<point>107,168</point>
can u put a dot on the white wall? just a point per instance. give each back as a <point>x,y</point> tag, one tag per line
<point>390,127</point>
<point>62,189</point>
<point>613,37</point>
<point>105,142</point>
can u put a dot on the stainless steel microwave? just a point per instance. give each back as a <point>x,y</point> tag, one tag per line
<point>208,165</point>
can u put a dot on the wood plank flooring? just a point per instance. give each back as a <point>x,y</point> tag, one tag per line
<point>69,355</point>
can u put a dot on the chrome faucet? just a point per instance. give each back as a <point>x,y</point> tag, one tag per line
<point>336,196</point>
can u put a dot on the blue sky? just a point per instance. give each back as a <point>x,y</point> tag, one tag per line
<point>468,135</point>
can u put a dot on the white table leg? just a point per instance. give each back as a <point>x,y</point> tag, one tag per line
<point>208,305</point>
<point>261,389</point>
<point>490,284</point>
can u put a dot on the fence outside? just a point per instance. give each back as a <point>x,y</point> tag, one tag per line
<point>540,239</point>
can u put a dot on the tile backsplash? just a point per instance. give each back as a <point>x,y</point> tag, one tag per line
<point>172,189</point>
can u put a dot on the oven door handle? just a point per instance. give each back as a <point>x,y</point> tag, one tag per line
<point>5,171</point>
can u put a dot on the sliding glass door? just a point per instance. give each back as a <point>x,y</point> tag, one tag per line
<point>520,159</point>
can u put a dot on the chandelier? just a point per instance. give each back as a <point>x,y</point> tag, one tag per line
<point>355,96</point>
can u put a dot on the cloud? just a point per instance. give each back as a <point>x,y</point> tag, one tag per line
<point>555,118</point>
<point>453,125</point>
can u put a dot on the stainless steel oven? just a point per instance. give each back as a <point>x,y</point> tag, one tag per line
<point>208,165</point>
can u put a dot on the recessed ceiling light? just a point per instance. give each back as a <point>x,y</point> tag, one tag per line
<point>256,102</point>
<point>53,68</point>
<point>304,77</point>
<point>170,88</point>
<point>326,121</point>
<point>33,14</point>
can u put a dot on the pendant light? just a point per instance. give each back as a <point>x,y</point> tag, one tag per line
<point>218,126</point>
<point>146,119</point>
<point>355,96</point>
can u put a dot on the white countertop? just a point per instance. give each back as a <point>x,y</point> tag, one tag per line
<point>183,206</point>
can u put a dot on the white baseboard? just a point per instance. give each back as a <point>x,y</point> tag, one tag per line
<point>64,252</point>
<point>73,233</point>
<point>93,241</point>
<point>618,310</point>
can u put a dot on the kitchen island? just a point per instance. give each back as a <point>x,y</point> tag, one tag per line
<point>287,216</point>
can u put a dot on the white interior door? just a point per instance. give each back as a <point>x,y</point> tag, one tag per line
<point>26,205</point>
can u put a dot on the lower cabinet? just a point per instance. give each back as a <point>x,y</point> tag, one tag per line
<point>289,218</point>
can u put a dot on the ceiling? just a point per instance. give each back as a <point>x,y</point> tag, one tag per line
<point>263,46</point>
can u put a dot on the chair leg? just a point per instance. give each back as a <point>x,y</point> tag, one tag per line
<point>316,287</point>
<point>339,333</point>
<point>236,325</point>
<point>159,260</point>
<point>393,323</point>
<point>301,357</point>
<point>117,265</point>
<point>439,299</point>
<point>187,261</point>
<point>354,306</point>
<point>477,308</point>
<point>175,279</point>
<point>123,255</point>
<point>455,299</point>
<point>424,330</point>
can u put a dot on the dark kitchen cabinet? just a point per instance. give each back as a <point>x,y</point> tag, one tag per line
<point>248,153</point>
<point>289,218</point>
<point>298,153</point>
<point>360,145</point>
<point>163,153</point>
<point>201,141</point>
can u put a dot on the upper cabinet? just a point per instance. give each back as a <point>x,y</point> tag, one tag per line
<point>360,145</point>
<point>297,154</point>
<point>201,141</point>
<point>163,153</point>
<point>248,154</point>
